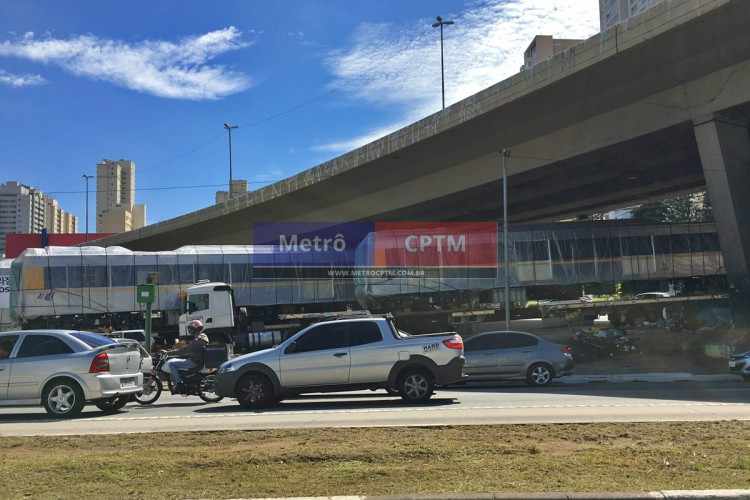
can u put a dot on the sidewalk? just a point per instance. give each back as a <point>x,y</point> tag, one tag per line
<point>663,494</point>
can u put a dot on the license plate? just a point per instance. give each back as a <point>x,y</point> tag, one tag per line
<point>126,383</point>
<point>732,364</point>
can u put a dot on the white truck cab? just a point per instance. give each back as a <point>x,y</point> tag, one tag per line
<point>210,302</point>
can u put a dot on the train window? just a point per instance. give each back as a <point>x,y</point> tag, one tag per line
<point>144,274</point>
<point>680,243</point>
<point>95,276</point>
<point>663,244</point>
<point>637,245</point>
<point>607,247</point>
<point>58,277</point>
<point>583,249</point>
<point>562,250</point>
<point>211,272</point>
<point>168,274</point>
<point>122,275</point>
<point>240,273</point>
<point>711,242</point>
<point>74,277</point>
<point>531,250</point>
<point>540,250</point>
<point>186,273</point>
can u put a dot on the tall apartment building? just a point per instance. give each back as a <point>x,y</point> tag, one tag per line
<point>544,47</point>
<point>116,210</point>
<point>612,12</point>
<point>24,209</point>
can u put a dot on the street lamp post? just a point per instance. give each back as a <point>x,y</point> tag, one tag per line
<point>86,178</point>
<point>229,128</point>
<point>439,22</point>
<point>505,155</point>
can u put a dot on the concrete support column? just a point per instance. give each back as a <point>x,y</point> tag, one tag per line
<point>724,146</point>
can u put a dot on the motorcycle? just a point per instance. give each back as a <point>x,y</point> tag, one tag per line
<point>199,383</point>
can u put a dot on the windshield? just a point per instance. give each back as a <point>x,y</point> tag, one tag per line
<point>92,340</point>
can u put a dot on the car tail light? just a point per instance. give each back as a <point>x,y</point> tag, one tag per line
<point>100,363</point>
<point>567,348</point>
<point>455,342</point>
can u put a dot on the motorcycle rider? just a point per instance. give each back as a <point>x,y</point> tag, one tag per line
<point>188,357</point>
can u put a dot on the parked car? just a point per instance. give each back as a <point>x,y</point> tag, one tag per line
<point>139,335</point>
<point>345,355</point>
<point>516,356</point>
<point>740,364</point>
<point>63,370</point>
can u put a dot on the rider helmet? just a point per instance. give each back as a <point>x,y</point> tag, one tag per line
<point>195,327</point>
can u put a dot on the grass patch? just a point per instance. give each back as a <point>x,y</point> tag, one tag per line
<point>563,457</point>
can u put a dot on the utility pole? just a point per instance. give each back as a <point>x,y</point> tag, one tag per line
<point>505,155</point>
<point>86,178</point>
<point>439,22</point>
<point>229,128</point>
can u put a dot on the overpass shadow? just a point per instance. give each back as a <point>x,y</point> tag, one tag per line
<point>700,392</point>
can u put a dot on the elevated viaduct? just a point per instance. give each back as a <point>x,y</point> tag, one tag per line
<point>652,107</point>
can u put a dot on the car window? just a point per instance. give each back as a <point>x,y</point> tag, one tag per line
<point>140,337</point>
<point>42,345</point>
<point>364,332</point>
<point>476,343</point>
<point>323,337</point>
<point>7,342</point>
<point>92,339</point>
<point>520,340</point>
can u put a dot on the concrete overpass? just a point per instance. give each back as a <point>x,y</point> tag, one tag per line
<point>655,106</point>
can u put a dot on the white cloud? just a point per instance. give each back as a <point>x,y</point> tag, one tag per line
<point>360,140</point>
<point>399,65</point>
<point>177,70</point>
<point>16,80</point>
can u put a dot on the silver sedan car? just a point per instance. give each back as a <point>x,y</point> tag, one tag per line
<point>514,356</point>
<point>63,370</point>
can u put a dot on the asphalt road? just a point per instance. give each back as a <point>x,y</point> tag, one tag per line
<point>486,404</point>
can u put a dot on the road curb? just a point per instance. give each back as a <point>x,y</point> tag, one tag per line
<point>661,494</point>
<point>648,377</point>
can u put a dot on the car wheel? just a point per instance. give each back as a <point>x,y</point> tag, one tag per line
<point>415,386</point>
<point>151,391</point>
<point>539,374</point>
<point>207,390</point>
<point>112,405</point>
<point>63,398</point>
<point>255,391</point>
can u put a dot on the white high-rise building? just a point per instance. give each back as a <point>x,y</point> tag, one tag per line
<point>116,210</point>
<point>612,12</point>
<point>24,209</point>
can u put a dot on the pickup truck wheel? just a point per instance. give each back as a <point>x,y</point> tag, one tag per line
<point>255,391</point>
<point>415,386</point>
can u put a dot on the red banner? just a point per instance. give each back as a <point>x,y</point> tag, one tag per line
<point>435,244</point>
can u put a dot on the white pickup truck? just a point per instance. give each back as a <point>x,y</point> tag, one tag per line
<point>345,355</point>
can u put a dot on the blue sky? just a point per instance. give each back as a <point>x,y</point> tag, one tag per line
<point>304,80</point>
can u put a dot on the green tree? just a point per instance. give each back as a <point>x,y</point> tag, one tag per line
<point>694,207</point>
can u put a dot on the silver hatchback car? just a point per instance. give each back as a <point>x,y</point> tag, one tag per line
<point>516,355</point>
<point>63,370</point>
